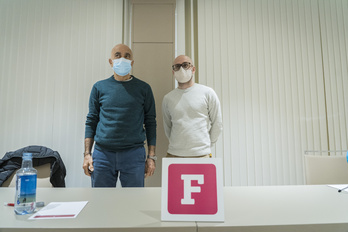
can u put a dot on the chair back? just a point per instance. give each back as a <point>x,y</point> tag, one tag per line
<point>326,169</point>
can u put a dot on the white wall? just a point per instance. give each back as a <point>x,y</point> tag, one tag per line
<point>334,28</point>
<point>51,53</point>
<point>280,70</point>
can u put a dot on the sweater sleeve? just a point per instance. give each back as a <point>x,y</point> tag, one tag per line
<point>215,117</point>
<point>150,117</point>
<point>167,122</point>
<point>93,114</point>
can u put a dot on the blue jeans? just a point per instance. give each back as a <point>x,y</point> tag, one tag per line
<point>128,164</point>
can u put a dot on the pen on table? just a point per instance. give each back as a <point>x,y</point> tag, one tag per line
<point>38,204</point>
<point>8,204</point>
<point>340,190</point>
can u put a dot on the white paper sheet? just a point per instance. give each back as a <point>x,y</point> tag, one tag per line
<point>344,187</point>
<point>60,210</point>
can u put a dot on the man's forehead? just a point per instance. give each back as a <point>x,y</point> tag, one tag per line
<point>181,59</point>
<point>122,49</point>
<point>122,52</point>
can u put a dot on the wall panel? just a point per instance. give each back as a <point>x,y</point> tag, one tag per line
<point>51,53</point>
<point>334,22</point>
<point>263,58</point>
<point>153,44</point>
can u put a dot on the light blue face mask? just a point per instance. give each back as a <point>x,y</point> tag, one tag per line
<point>122,66</point>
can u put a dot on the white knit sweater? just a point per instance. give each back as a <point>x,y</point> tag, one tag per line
<point>192,120</point>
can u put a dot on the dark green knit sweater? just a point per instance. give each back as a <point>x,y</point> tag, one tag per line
<point>121,114</point>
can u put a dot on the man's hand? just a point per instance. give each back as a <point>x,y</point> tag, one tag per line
<point>88,165</point>
<point>150,167</point>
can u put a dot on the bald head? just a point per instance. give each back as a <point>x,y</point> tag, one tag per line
<point>181,59</point>
<point>121,50</point>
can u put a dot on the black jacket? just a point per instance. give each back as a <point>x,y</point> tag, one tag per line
<point>41,155</point>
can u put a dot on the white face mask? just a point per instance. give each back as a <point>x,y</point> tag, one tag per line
<point>182,75</point>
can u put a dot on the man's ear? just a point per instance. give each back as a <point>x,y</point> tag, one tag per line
<point>110,62</point>
<point>193,70</point>
<point>132,62</point>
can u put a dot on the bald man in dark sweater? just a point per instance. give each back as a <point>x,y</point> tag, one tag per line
<point>121,117</point>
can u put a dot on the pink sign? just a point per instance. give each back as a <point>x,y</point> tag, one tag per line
<point>192,190</point>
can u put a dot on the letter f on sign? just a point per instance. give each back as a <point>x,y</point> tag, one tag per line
<point>188,188</point>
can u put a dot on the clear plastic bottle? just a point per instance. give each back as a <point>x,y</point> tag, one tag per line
<point>26,178</point>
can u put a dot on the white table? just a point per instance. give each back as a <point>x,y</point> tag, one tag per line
<point>283,208</point>
<point>108,209</point>
<point>271,208</point>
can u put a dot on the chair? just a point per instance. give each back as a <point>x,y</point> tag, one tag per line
<point>321,170</point>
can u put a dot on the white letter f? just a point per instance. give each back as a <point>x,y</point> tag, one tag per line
<point>188,188</point>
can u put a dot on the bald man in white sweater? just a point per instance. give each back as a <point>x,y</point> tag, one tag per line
<point>191,114</point>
